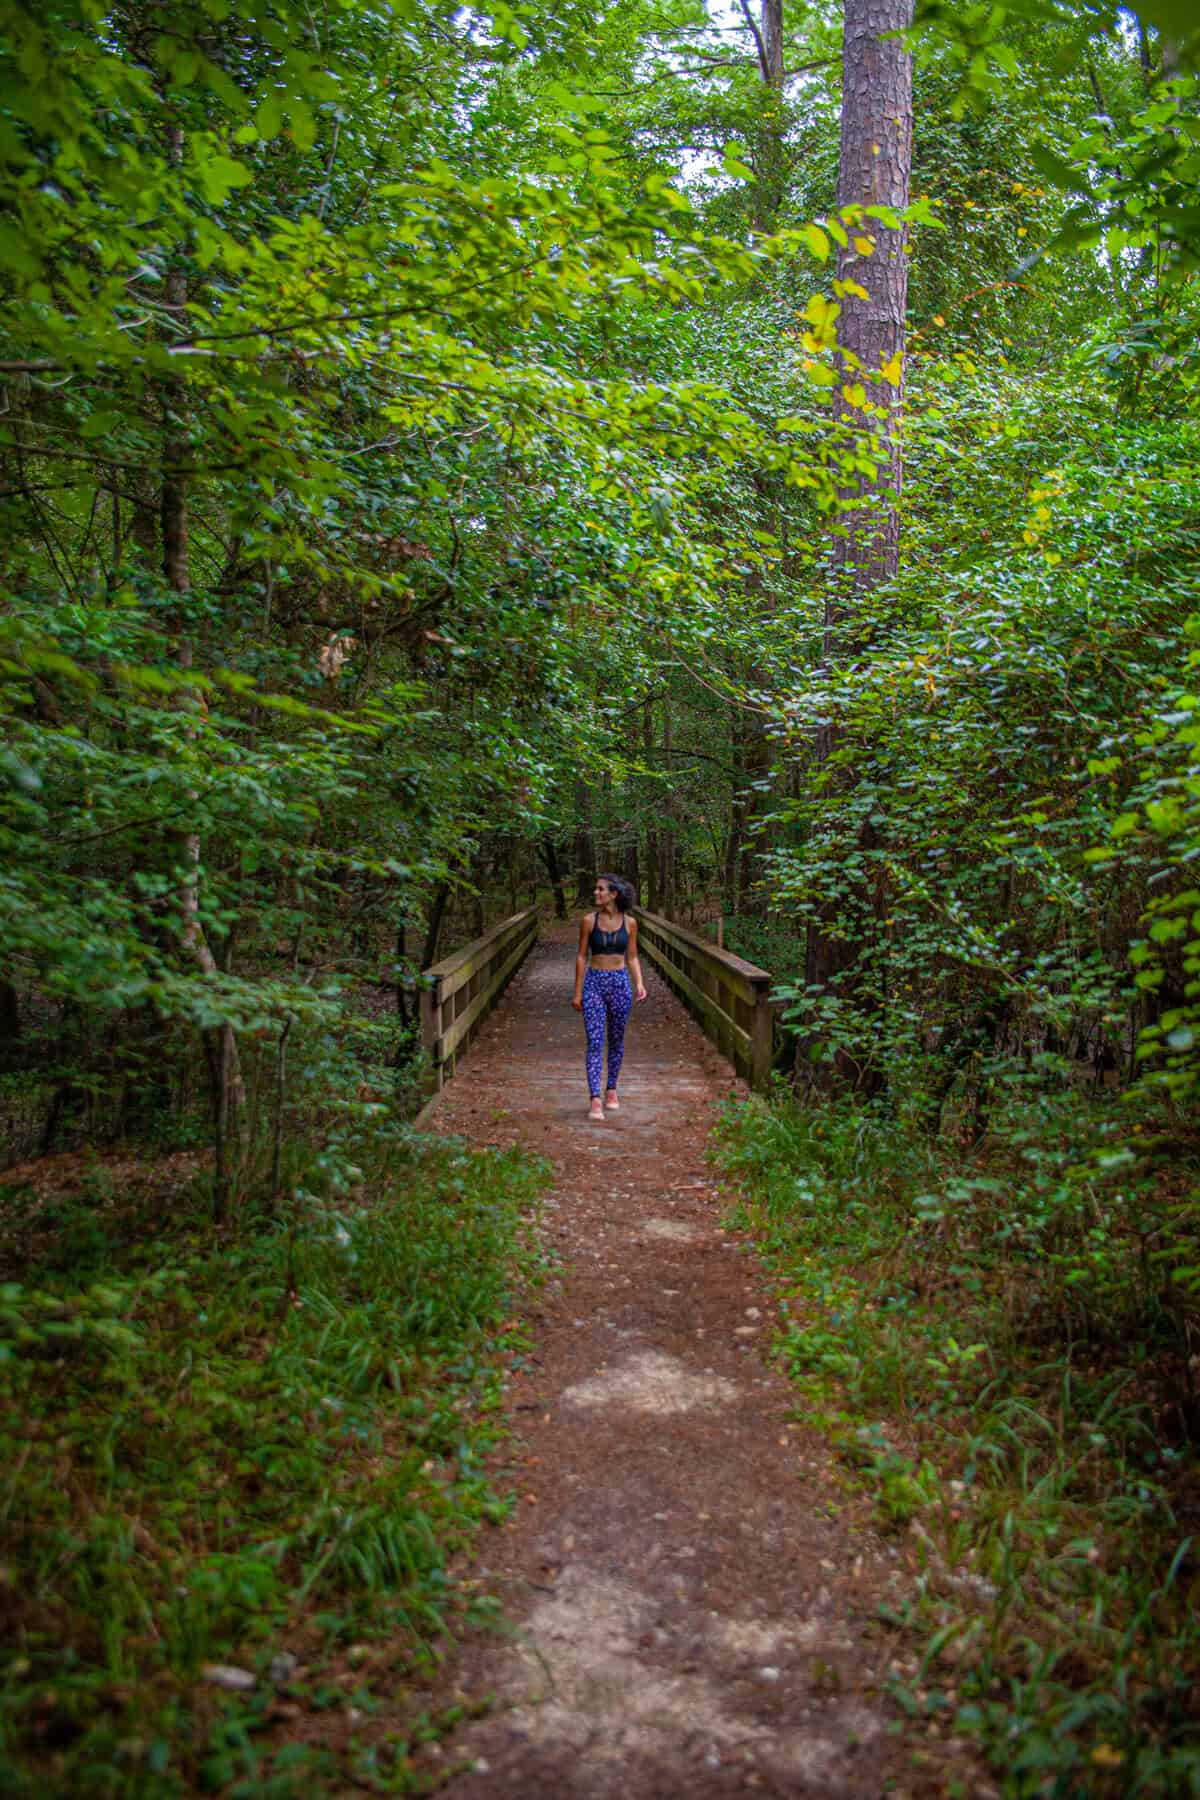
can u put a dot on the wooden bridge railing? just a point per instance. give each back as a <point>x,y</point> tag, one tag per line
<point>729,998</point>
<point>463,988</point>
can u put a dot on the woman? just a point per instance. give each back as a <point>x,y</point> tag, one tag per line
<point>602,992</point>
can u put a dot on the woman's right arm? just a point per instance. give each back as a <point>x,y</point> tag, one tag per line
<point>581,955</point>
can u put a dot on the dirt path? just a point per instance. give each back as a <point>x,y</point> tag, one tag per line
<point>693,1609</point>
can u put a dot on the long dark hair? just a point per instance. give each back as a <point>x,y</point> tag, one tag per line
<point>626,898</point>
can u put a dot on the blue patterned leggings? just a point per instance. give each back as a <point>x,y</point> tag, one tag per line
<point>607,999</point>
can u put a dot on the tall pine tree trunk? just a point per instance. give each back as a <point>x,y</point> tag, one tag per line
<point>874,170</point>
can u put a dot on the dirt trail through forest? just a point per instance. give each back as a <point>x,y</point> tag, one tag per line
<point>692,1602</point>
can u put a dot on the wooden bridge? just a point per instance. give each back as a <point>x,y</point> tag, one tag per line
<point>729,998</point>
<point>687,1613</point>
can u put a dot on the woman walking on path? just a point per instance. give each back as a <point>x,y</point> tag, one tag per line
<point>602,992</point>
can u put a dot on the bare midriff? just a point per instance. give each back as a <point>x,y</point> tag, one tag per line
<point>608,962</point>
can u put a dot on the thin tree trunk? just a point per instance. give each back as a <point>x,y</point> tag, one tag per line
<point>403,986</point>
<point>433,929</point>
<point>554,870</point>
<point>737,812</point>
<point>10,1022</point>
<point>585,849</point>
<point>228,1089</point>
<point>653,896</point>
<point>667,861</point>
<point>280,1092</point>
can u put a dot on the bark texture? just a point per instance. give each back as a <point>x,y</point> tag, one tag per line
<point>874,169</point>
<point>772,43</point>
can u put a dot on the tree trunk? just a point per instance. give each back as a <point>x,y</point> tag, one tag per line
<point>771,184</point>
<point>632,866</point>
<point>737,815</point>
<point>667,864</point>
<point>10,1023</point>
<point>585,851</point>
<point>772,43</point>
<point>433,929</point>
<point>227,1087</point>
<point>554,870</point>
<point>874,169</point>
<point>403,985</point>
<point>653,894</point>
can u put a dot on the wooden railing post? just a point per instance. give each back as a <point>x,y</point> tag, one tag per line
<point>762,1041</point>
<point>431,1029</point>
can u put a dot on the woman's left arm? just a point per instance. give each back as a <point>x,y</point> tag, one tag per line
<point>633,963</point>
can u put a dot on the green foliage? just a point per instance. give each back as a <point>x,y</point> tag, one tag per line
<point>417,466</point>
<point>218,1454</point>
<point>1023,1427</point>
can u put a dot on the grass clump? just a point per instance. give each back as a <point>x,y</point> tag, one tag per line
<point>1004,1374</point>
<point>233,1474</point>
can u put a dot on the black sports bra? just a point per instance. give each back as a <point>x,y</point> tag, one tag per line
<point>608,943</point>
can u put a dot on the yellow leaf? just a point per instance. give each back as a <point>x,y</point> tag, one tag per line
<point>819,373</point>
<point>817,240</point>
<point>890,370</point>
<point>938,319</point>
<point>855,395</point>
<point>1107,1756</point>
<point>865,246</point>
<point>1029,536</point>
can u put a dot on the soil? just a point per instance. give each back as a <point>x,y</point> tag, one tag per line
<point>691,1590</point>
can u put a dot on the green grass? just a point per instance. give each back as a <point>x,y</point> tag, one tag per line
<point>1004,1394</point>
<point>216,1452</point>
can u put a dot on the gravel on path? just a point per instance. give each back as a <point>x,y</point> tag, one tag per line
<point>691,1593</point>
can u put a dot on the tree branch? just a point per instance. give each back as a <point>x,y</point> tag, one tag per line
<point>758,43</point>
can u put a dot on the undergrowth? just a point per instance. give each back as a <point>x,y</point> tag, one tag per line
<point>989,1343</point>
<point>233,1472</point>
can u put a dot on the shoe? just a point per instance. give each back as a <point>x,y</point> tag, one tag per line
<point>595,1110</point>
<point>611,1103</point>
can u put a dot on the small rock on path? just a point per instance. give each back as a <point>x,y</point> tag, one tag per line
<point>691,1603</point>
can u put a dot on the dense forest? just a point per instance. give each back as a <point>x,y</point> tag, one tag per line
<point>445,452</point>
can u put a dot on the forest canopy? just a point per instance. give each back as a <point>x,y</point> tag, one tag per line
<point>447,451</point>
<point>419,463</point>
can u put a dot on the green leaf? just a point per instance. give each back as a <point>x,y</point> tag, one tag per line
<point>219,175</point>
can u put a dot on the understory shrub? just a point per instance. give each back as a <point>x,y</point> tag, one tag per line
<point>987,1337</point>
<point>257,1452</point>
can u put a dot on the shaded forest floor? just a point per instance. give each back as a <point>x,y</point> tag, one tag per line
<point>236,1463</point>
<point>632,1459</point>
